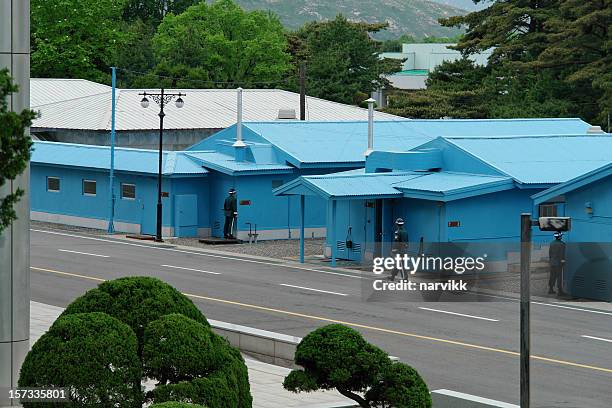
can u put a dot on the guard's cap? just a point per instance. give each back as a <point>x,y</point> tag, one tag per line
<point>399,221</point>
<point>232,191</point>
<point>558,234</point>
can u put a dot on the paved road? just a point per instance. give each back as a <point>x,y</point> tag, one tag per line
<point>473,350</point>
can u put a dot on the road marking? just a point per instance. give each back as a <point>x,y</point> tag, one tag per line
<point>597,338</point>
<point>361,326</point>
<point>83,253</point>
<point>573,308</point>
<point>459,314</point>
<point>346,275</point>
<point>190,269</point>
<point>75,275</point>
<point>314,290</point>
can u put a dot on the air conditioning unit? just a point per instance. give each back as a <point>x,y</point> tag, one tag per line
<point>286,114</point>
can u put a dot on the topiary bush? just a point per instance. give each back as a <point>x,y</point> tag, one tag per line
<point>92,354</point>
<point>338,357</point>
<point>194,364</point>
<point>136,301</point>
<point>401,386</point>
<point>177,348</point>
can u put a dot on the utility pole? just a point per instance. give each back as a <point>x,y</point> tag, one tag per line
<point>111,192</point>
<point>526,224</point>
<point>302,90</point>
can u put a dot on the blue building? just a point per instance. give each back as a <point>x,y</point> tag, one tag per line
<point>587,199</point>
<point>464,189</point>
<point>272,154</point>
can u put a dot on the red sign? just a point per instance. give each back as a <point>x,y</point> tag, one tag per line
<point>454,224</point>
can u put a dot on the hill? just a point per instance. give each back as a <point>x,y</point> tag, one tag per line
<point>418,18</point>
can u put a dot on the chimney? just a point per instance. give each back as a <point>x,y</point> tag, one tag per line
<point>239,144</point>
<point>370,126</point>
<point>594,130</point>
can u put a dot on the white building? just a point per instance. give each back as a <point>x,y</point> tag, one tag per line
<point>79,111</point>
<point>419,61</point>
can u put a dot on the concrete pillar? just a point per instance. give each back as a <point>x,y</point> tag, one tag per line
<point>15,240</point>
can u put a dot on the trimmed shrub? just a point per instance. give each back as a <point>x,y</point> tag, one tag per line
<point>177,348</point>
<point>136,301</point>
<point>401,387</point>
<point>338,357</point>
<point>193,364</point>
<point>92,354</point>
<point>174,404</point>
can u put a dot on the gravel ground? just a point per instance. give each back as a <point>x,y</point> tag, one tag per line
<point>68,228</point>
<point>282,249</point>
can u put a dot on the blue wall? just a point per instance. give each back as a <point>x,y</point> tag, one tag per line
<point>598,226</point>
<point>71,201</point>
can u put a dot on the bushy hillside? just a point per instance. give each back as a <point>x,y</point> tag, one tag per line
<point>418,18</point>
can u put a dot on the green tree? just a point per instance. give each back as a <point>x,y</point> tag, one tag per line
<point>221,43</point>
<point>338,357</point>
<point>76,38</point>
<point>553,56</point>
<point>91,354</point>
<point>342,60</point>
<point>154,11</point>
<point>454,89</point>
<point>136,301</point>
<point>172,342</point>
<point>578,50</point>
<point>193,364</point>
<point>516,29</point>
<point>139,36</point>
<point>15,145</point>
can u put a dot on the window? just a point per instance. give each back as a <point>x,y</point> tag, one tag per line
<point>548,210</point>
<point>128,191</point>
<point>277,183</point>
<point>53,184</point>
<point>89,187</point>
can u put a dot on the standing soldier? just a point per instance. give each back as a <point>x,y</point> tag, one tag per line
<point>400,245</point>
<point>230,211</point>
<point>556,259</point>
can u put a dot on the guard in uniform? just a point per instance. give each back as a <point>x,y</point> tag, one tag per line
<point>230,210</point>
<point>556,259</point>
<point>400,245</point>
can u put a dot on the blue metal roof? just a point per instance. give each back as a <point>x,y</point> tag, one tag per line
<point>541,160</point>
<point>573,184</point>
<point>356,184</point>
<point>447,186</point>
<point>128,160</point>
<point>228,164</point>
<point>325,143</point>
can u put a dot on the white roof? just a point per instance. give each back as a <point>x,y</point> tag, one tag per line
<point>81,104</point>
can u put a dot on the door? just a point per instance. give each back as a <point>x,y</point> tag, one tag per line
<point>186,215</point>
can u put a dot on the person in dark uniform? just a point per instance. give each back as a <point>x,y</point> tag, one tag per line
<point>230,211</point>
<point>400,245</point>
<point>556,259</point>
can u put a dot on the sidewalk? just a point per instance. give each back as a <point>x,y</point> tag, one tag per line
<point>266,380</point>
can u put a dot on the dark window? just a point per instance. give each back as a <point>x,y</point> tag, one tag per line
<point>128,191</point>
<point>548,210</point>
<point>277,183</point>
<point>89,187</point>
<point>53,184</point>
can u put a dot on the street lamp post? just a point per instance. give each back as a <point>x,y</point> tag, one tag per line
<point>161,99</point>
